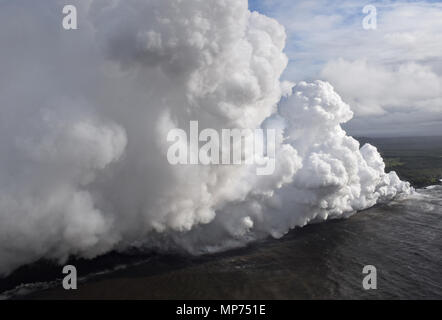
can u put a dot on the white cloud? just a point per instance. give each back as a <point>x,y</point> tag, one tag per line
<point>395,70</point>
<point>84,116</point>
<point>381,89</point>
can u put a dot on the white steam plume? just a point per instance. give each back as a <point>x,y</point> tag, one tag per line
<point>84,117</point>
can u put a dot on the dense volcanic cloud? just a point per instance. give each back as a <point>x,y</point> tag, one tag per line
<point>84,116</point>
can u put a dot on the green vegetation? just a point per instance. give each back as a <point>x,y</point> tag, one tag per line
<point>393,162</point>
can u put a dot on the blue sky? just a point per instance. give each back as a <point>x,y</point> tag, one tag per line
<point>391,76</point>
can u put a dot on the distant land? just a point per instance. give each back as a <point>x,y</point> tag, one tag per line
<point>415,159</point>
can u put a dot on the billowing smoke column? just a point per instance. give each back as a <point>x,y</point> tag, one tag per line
<point>84,117</point>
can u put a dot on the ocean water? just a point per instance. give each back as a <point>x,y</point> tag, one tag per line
<point>402,239</point>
